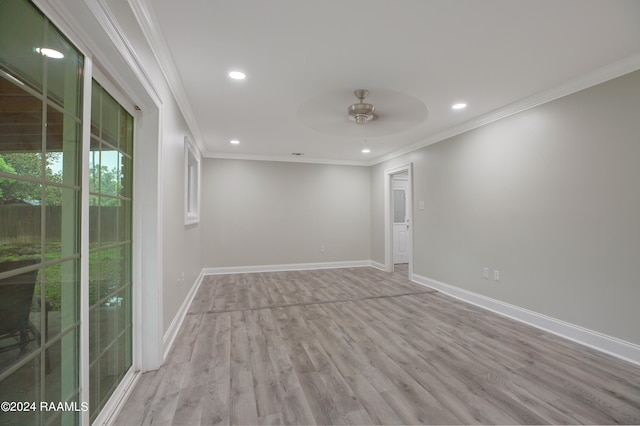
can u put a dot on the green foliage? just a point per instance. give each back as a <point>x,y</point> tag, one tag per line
<point>29,164</point>
<point>5,168</point>
<point>104,180</point>
<point>105,264</point>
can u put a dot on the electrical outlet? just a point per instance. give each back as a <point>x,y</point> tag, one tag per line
<point>323,248</point>
<point>496,275</point>
<point>485,273</point>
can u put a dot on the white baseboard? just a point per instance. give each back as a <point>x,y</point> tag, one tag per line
<point>616,347</point>
<point>378,265</point>
<point>286,267</point>
<point>112,408</point>
<point>173,329</point>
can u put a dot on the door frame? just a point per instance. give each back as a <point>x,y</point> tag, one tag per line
<point>400,182</point>
<point>388,215</point>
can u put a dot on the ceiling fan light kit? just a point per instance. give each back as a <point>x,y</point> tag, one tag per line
<point>361,112</point>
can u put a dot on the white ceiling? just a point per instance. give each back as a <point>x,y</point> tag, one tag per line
<point>304,59</point>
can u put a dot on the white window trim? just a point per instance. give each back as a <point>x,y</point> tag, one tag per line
<point>191,183</point>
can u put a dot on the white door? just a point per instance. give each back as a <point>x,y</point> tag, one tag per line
<point>400,220</point>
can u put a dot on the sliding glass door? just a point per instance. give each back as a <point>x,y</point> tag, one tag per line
<point>42,176</point>
<point>40,169</point>
<point>110,185</point>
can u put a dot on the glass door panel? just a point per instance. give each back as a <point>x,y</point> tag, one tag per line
<point>40,210</point>
<point>110,353</point>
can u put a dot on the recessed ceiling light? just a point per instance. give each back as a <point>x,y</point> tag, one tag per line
<point>460,105</point>
<point>237,75</point>
<point>366,150</point>
<point>234,142</point>
<point>49,53</point>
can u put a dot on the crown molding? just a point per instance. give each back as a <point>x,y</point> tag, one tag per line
<point>159,47</point>
<point>107,21</point>
<point>600,75</point>
<point>310,160</point>
<point>152,32</point>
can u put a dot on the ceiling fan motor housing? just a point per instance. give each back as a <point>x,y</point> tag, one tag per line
<point>361,112</point>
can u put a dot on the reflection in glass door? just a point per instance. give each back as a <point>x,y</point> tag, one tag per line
<point>40,169</point>
<point>110,186</point>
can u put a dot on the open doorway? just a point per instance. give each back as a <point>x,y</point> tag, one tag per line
<point>399,220</point>
<point>401,224</point>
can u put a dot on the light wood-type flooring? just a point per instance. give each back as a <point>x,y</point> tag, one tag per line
<point>361,346</point>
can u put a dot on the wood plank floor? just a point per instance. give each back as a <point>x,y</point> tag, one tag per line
<point>360,346</point>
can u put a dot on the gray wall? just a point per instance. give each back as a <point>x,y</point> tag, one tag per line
<point>272,213</point>
<point>181,261</point>
<point>549,196</point>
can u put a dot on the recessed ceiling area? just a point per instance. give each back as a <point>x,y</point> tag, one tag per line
<point>303,61</point>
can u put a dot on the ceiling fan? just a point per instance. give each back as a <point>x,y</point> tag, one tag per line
<point>325,114</point>
<point>361,112</point>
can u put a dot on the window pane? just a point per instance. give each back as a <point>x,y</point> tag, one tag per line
<point>63,148</point>
<point>94,331</point>
<point>94,386</point>
<point>94,166</point>
<point>20,325</point>
<point>61,305</point>
<point>110,119</point>
<point>108,220</point>
<point>129,142</point>
<point>21,121</point>
<point>125,356</point>
<point>111,271</point>
<point>20,227</point>
<point>63,359</point>
<point>126,176</point>
<point>126,133</point>
<point>124,221</point>
<point>64,418</point>
<point>399,206</point>
<point>96,96</point>
<point>108,368</point>
<point>22,29</point>
<point>62,213</point>
<point>109,372</point>
<point>21,192</point>
<point>25,164</point>
<point>109,173</point>
<point>64,74</point>
<point>24,382</point>
<point>94,221</point>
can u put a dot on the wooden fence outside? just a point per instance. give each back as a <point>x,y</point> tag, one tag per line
<point>22,223</point>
